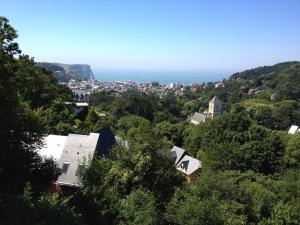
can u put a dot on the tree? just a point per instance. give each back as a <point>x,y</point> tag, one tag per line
<point>233,141</point>
<point>21,130</point>
<point>37,86</point>
<point>138,208</point>
<point>47,209</point>
<point>142,165</point>
<point>284,214</point>
<point>7,35</point>
<point>190,210</point>
<point>292,153</point>
<point>131,121</point>
<point>173,132</point>
<point>92,118</point>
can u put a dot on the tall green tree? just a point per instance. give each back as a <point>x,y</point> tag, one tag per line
<point>138,208</point>
<point>20,126</point>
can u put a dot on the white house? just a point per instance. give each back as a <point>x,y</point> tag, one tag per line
<point>70,152</point>
<point>189,166</point>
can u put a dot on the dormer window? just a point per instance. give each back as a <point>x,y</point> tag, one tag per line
<point>182,166</point>
<point>79,169</point>
<point>65,167</point>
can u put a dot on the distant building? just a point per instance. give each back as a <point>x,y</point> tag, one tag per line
<point>189,166</point>
<point>80,95</point>
<point>215,107</point>
<point>195,87</point>
<point>154,83</point>
<point>294,129</point>
<point>219,84</point>
<point>78,106</point>
<point>252,91</point>
<point>198,118</point>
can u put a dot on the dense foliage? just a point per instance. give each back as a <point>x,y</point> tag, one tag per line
<point>251,166</point>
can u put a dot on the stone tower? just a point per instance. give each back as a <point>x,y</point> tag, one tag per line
<point>215,107</point>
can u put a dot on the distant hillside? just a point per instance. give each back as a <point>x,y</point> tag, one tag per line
<point>282,79</point>
<point>65,72</point>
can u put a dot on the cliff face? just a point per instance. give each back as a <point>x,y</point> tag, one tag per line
<point>65,72</point>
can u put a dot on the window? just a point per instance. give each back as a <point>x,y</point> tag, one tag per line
<point>65,167</point>
<point>79,169</point>
<point>182,166</point>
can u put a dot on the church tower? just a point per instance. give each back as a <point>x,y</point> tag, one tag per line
<point>215,107</point>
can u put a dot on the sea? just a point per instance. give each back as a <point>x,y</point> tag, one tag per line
<point>163,77</point>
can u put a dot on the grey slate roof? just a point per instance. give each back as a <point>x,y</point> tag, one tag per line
<point>78,150</point>
<point>188,165</point>
<point>177,153</point>
<point>53,146</point>
<point>198,117</point>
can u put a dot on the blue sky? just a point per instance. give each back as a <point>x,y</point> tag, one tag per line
<point>192,35</point>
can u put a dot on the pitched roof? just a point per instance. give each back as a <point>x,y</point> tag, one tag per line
<point>73,150</point>
<point>177,153</point>
<point>198,117</point>
<point>214,99</point>
<point>53,146</point>
<point>293,129</point>
<point>78,150</point>
<point>106,142</point>
<point>188,165</point>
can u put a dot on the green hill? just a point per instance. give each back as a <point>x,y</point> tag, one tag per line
<point>282,79</point>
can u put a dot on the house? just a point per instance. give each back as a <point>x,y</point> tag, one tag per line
<point>71,153</point>
<point>215,107</point>
<point>294,129</point>
<point>198,118</point>
<point>78,106</point>
<point>79,95</point>
<point>189,166</point>
<point>219,84</point>
<point>252,91</point>
<point>77,151</point>
<point>177,154</point>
